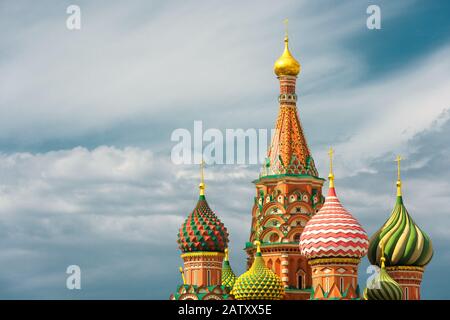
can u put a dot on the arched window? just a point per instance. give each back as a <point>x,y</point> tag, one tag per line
<point>301,276</point>
<point>278,267</point>
<point>341,284</point>
<point>208,277</point>
<point>406,293</point>
<point>270,264</point>
<point>297,237</point>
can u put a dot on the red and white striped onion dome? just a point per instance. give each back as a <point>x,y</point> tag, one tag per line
<point>333,232</point>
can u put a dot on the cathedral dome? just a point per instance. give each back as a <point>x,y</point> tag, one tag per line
<point>333,231</point>
<point>228,276</point>
<point>202,230</point>
<point>383,287</point>
<point>259,282</point>
<point>286,65</point>
<point>405,244</point>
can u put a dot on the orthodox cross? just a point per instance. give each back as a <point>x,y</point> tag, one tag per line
<point>286,21</point>
<point>398,159</point>
<point>331,153</point>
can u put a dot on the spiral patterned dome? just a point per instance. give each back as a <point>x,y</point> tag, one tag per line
<point>259,282</point>
<point>202,230</point>
<point>383,287</point>
<point>333,232</point>
<point>228,276</point>
<point>405,244</point>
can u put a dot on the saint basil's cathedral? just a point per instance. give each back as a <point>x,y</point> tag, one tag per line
<point>302,244</point>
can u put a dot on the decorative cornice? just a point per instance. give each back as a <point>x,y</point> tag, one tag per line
<point>405,268</point>
<point>202,254</point>
<point>333,260</point>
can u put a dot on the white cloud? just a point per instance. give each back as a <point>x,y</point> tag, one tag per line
<point>384,115</point>
<point>124,65</point>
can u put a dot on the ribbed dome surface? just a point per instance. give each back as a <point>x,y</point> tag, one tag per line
<point>405,244</point>
<point>333,232</point>
<point>383,287</point>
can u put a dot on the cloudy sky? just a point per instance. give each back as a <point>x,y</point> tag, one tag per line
<point>86,117</point>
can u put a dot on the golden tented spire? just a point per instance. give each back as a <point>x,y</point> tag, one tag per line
<point>202,184</point>
<point>399,181</point>
<point>286,65</point>
<point>331,175</point>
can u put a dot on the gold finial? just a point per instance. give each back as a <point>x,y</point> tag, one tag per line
<point>257,228</point>
<point>226,254</point>
<point>383,259</point>
<point>286,65</point>
<point>257,243</point>
<point>202,184</point>
<point>331,175</point>
<point>399,181</point>
<point>182,275</point>
<point>286,21</point>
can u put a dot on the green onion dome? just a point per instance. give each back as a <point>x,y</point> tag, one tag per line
<point>202,230</point>
<point>383,287</point>
<point>405,244</point>
<point>228,276</point>
<point>259,282</point>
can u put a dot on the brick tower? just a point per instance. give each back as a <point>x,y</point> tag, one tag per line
<point>203,241</point>
<point>288,191</point>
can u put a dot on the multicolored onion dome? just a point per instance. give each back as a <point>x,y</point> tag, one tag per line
<point>228,276</point>
<point>333,232</point>
<point>383,287</point>
<point>202,230</point>
<point>259,282</point>
<point>405,244</point>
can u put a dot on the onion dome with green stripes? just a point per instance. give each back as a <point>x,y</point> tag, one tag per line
<point>405,244</point>
<point>259,282</point>
<point>383,287</point>
<point>228,276</point>
<point>202,230</point>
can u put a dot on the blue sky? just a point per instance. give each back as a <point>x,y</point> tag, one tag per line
<point>86,118</point>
